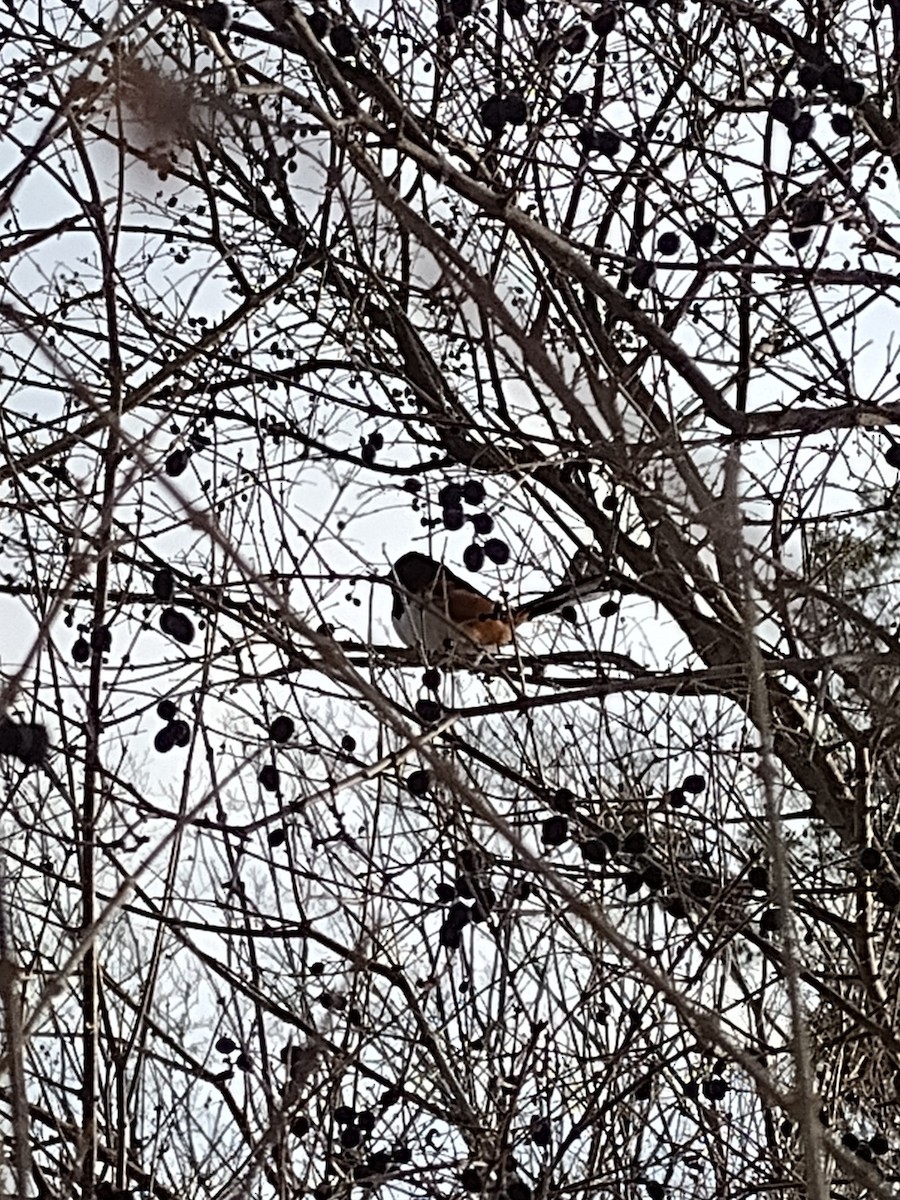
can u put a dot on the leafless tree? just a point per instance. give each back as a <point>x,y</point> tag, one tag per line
<point>558,294</point>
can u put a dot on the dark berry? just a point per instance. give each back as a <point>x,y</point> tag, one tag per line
<point>464,887</point>
<point>892,458</point>
<point>704,235</point>
<point>555,831</point>
<point>181,732</point>
<point>563,800</point>
<point>473,493</point>
<point>785,109</point>
<point>216,16</point>
<point>482,524</point>
<point>458,917</point>
<point>453,518</point>
<point>81,650</point>
<point>429,710</point>
<point>694,784</point>
<point>635,842</point>
<point>653,877</point>
<point>539,1131</point>
<point>809,76</point>
<point>610,840</point>
<point>668,243</point>
<point>609,608</point>
<point>445,892</point>
<point>574,40</point>
<point>832,77</point>
<point>318,23</point>
<point>348,743</point>
<point>599,141</point>
<point>163,585</point>
<point>758,878</point>
<point>450,496</point>
<point>225,1045</point>
<point>516,9</point>
<point>418,783</point>
<point>176,463</point>
<point>473,557</point>
<point>471,1179</point>
<point>594,851</point>
<point>642,275</point>
<point>870,859</point>
<point>497,551</point>
<point>164,741</point>
<point>431,679</point>
<point>851,93</point>
<point>281,730</point>
<point>604,21</point>
<point>166,710</point>
<point>801,130</point>
<point>177,626</point>
<point>268,778</point>
<point>807,211</point>
<point>492,113</point>
<point>277,837</point>
<point>101,639</point>
<point>842,125</point>
<point>573,104</point>
<point>515,110</point>
<point>770,921</point>
<point>343,43</point>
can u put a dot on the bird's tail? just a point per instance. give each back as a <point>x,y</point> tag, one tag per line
<point>561,597</point>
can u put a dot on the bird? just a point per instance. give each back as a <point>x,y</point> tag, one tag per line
<point>436,610</point>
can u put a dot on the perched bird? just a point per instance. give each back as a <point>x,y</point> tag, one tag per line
<point>435,609</point>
